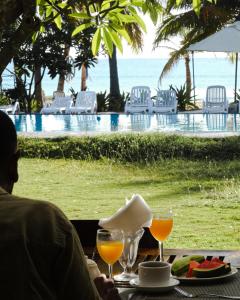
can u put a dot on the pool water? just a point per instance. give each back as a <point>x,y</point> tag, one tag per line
<point>107,123</point>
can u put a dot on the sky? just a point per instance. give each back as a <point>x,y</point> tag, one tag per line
<point>160,52</point>
<point>148,45</point>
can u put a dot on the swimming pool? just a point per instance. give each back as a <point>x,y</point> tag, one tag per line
<point>109,123</point>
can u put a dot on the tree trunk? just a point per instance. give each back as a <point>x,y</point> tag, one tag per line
<point>61,80</point>
<point>38,87</point>
<point>188,75</point>
<point>20,88</point>
<point>113,69</point>
<point>114,96</point>
<point>84,78</point>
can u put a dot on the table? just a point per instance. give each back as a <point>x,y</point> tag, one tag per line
<point>148,250</point>
<point>229,286</point>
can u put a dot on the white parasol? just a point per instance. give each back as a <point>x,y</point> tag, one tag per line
<point>225,40</point>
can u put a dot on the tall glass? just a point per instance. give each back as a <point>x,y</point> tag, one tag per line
<point>161,227</point>
<point>110,244</point>
<point>129,255</point>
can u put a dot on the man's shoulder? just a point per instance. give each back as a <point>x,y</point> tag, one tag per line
<point>35,204</point>
<point>40,213</point>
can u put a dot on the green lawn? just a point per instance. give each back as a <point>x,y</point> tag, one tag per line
<point>205,196</point>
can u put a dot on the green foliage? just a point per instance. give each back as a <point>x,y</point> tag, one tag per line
<point>102,102</point>
<point>55,60</point>
<point>109,19</point>
<point>183,98</point>
<point>4,99</point>
<point>117,104</point>
<point>34,106</point>
<point>238,95</point>
<point>132,147</point>
<point>73,93</point>
<point>82,46</point>
<point>110,103</point>
<point>47,53</point>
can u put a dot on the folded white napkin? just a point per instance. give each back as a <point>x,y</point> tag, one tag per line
<point>131,217</point>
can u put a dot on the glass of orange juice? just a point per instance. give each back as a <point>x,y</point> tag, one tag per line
<point>161,227</point>
<point>110,244</point>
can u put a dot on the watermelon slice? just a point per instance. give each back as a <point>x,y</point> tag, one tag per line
<point>197,269</point>
<point>193,264</point>
<point>209,264</point>
<point>221,269</point>
<point>216,259</point>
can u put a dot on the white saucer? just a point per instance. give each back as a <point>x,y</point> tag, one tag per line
<point>164,287</point>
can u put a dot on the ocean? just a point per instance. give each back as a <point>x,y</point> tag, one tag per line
<point>132,72</point>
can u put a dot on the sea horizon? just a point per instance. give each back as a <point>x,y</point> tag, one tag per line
<point>146,71</point>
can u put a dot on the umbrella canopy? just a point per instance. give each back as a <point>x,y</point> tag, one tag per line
<point>225,40</point>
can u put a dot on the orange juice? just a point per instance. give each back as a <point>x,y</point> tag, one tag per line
<point>161,228</point>
<point>110,251</point>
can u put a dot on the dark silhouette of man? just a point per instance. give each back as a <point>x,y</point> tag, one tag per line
<point>41,257</point>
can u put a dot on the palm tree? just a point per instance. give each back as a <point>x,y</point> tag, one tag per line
<point>175,55</point>
<point>192,27</point>
<point>211,18</point>
<point>152,7</point>
<point>114,79</point>
<point>84,58</point>
<point>135,35</point>
<point>61,79</point>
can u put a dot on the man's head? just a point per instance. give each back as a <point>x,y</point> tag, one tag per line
<point>8,153</point>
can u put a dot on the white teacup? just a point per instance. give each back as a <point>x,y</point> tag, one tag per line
<point>153,273</point>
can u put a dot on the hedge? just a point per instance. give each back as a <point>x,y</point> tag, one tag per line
<point>131,147</point>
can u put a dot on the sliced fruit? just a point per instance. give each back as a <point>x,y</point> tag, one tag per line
<point>193,264</point>
<point>216,259</point>
<point>209,264</point>
<point>221,269</point>
<point>180,266</point>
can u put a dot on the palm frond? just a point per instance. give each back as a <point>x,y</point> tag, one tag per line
<point>136,36</point>
<point>172,62</point>
<point>190,27</point>
<point>211,19</point>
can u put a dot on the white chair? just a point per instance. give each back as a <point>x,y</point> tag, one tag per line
<point>216,100</point>
<point>86,102</point>
<point>140,100</point>
<point>166,102</point>
<point>10,109</point>
<point>58,106</point>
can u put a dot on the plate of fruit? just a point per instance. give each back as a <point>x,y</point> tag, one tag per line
<point>197,268</point>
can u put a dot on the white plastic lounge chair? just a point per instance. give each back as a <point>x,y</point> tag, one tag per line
<point>140,100</point>
<point>58,106</point>
<point>166,102</point>
<point>86,102</point>
<point>10,109</point>
<point>216,100</point>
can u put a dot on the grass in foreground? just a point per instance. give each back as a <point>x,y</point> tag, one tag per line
<point>205,196</point>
